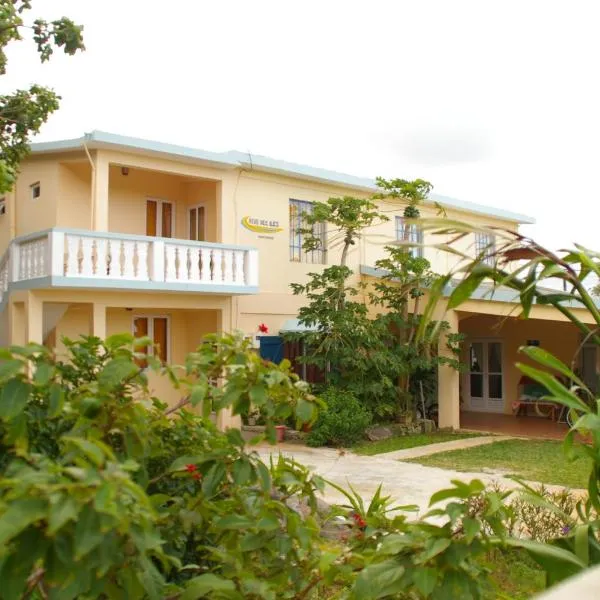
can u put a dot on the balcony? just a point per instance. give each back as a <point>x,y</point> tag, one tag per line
<point>89,259</point>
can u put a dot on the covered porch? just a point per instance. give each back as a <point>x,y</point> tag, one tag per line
<point>491,390</point>
<point>177,324</point>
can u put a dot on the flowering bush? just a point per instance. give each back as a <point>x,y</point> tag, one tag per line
<point>105,492</point>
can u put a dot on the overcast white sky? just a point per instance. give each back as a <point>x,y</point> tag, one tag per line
<point>495,102</point>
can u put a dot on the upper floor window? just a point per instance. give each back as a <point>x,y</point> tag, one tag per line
<point>157,329</point>
<point>485,247</point>
<point>410,232</point>
<point>197,222</point>
<point>36,190</point>
<point>2,206</point>
<point>299,208</point>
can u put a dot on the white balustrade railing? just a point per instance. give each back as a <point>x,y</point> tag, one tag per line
<point>96,255</point>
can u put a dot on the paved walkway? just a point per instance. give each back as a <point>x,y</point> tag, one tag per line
<point>406,483</point>
<point>419,451</point>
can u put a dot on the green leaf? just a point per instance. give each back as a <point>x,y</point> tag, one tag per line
<point>116,371</point>
<point>460,490</point>
<point>395,543</point>
<point>61,512</point>
<point>113,342</point>
<point>559,393</point>
<point>13,400</point>
<point>425,580</point>
<point>242,471</point>
<point>88,533</point>
<point>9,368</point>
<point>56,400</point>
<point>89,449</point>
<point>201,586</point>
<point>464,290</point>
<point>304,410</point>
<point>151,579</point>
<point>433,547</point>
<point>582,547</point>
<point>379,580</point>
<point>213,479</point>
<point>471,528</point>
<point>43,374</point>
<point>198,393</point>
<point>253,541</point>
<point>258,395</point>
<point>562,562</point>
<point>20,515</point>
<point>546,359</point>
<point>235,522</point>
<point>264,476</point>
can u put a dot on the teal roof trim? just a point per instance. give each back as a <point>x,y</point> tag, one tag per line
<point>236,159</point>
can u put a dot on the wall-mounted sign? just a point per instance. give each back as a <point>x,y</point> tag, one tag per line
<point>261,225</point>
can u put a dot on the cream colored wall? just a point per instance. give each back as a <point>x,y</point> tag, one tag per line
<point>187,328</point>
<point>74,200</point>
<point>560,339</point>
<point>41,213</point>
<point>74,323</point>
<point>267,197</point>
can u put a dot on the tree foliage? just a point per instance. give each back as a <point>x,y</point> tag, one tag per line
<point>23,112</point>
<point>107,493</point>
<point>366,341</point>
<point>540,276</point>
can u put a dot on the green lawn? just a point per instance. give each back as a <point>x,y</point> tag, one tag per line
<point>535,460</point>
<point>402,442</point>
<point>514,576</point>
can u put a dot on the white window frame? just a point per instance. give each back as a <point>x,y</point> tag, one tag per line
<point>415,235</point>
<point>316,257</point>
<point>159,203</point>
<point>487,405</point>
<point>32,187</point>
<point>189,218</point>
<point>485,247</point>
<point>151,331</point>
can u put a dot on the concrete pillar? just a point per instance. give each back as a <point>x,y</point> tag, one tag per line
<point>227,211</point>
<point>16,323</point>
<point>98,324</point>
<point>225,419</point>
<point>34,315</point>
<point>448,380</point>
<point>100,192</point>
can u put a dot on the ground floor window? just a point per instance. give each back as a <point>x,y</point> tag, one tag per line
<point>157,328</point>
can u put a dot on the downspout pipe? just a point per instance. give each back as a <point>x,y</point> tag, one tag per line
<point>93,186</point>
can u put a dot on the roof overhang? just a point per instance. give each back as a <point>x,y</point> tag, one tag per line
<point>240,160</point>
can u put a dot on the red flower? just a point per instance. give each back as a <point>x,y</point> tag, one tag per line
<point>263,328</point>
<point>359,521</point>
<point>196,476</point>
<point>190,468</point>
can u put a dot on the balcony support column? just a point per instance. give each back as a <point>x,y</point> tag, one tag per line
<point>100,177</point>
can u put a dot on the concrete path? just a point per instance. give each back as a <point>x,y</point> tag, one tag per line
<point>406,483</point>
<point>419,451</point>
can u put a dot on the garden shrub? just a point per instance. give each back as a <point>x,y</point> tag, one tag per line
<point>342,422</point>
<point>539,513</point>
<point>105,492</point>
